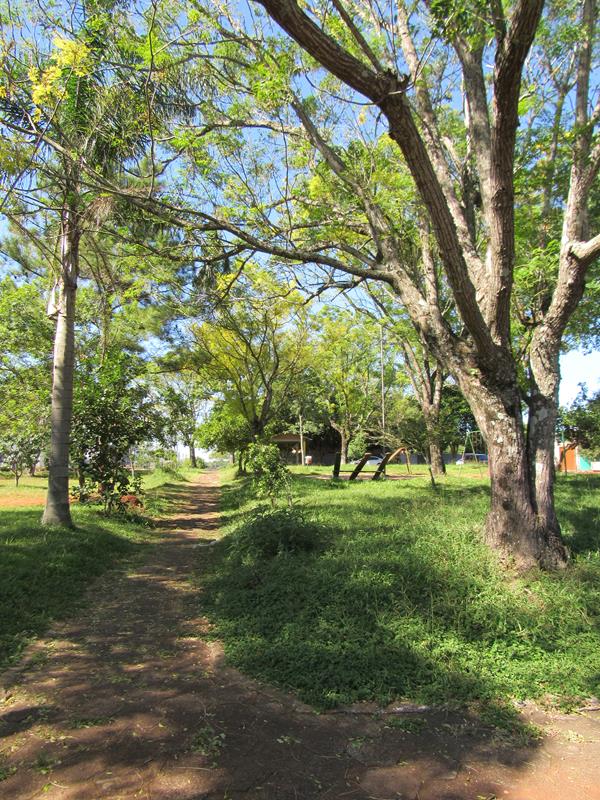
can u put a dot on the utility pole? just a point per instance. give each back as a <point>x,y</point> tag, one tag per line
<point>302,445</point>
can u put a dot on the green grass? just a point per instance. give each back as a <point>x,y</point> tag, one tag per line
<point>45,571</point>
<point>402,599</point>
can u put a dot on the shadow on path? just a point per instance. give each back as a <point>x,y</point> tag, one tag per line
<point>132,701</point>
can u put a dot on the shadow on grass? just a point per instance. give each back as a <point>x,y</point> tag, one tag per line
<point>405,601</point>
<point>45,571</point>
<point>577,499</point>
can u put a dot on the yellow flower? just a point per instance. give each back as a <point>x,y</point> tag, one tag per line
<point>71,54</point>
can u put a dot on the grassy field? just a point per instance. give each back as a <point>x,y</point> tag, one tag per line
<point>381,591</point>
<point>44,572</point>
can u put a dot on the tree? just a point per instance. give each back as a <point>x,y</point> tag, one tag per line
<point>580,424</point>
<point>74,110</point>
<point>225,430</point>
<point>463,171</point>
<point>24,426</point>
<point>346,360</point>
<point>424,373</point>
<point>253,349</point>
<point>25,336</point>
<point>184,400</point>
<point>113,412</point>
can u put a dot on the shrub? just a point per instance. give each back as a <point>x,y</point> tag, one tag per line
<point>275,533</point>
<point>271,477</point>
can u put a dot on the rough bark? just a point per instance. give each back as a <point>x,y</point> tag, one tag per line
<point>514,527</point>
<point>57,510</point>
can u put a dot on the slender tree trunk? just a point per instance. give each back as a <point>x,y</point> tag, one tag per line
<point>193,461</point>
<point>541,434</point>
<point>344,446</point>
<point>344,440</point>
<point>57,511</point>
<point>436,458</point>
<point>541,429</point>
<point>302,442</point>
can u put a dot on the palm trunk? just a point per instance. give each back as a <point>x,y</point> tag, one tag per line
<point>57,510</point>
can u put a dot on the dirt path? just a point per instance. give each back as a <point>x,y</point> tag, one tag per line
<point>129,701</point>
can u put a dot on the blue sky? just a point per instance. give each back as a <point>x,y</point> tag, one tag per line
<point>578,367</point>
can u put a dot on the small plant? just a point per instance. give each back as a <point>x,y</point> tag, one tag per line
<point>207,742</point>
<point>277,532</point>
<point>406,724</point>
<point>271,477</point>
<point>6,772</point>
<point>45,763</point>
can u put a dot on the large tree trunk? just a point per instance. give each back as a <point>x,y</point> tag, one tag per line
<point>57,511</point>
<point>193,461</point>
<point>513,526</point>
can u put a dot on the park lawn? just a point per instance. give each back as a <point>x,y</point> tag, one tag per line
<point>399,597</point>
<point>44,572</point>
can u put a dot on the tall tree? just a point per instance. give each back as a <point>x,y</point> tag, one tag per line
<point>253,348</point>
<point>347,362</point>
<point>79,112</point>
<point>402,65</point>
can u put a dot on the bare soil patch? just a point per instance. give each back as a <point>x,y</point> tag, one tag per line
<point>130,700</point>
<point>15,499</point>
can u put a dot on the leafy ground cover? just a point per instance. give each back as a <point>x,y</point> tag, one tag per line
<point>44,571</point>
<point>392,594</point>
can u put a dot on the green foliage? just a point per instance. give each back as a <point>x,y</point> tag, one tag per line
<point>402,599</point>
<point>279,532</point>
<point>112,413</point>
<point>224,430</point>
<point>251,350</point>
<point>271,477</point>
<point>21,444</point>
<point>358,447</point>
<point>25,340</point>
<point>468,18</point>
<point>580,424</point>
<point>347,362</point>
